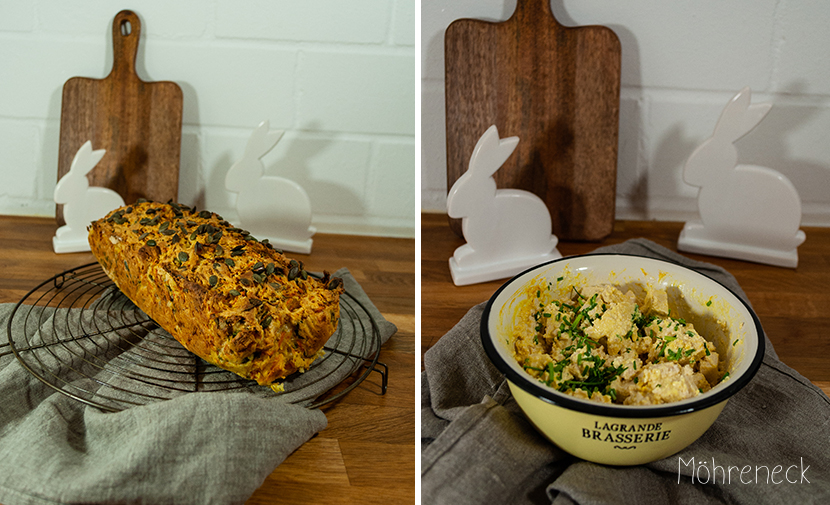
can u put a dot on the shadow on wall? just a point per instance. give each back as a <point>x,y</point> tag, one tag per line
<point>632,177</point>
<point>768,144</point>
<point>220,198</point>
<point>191,190</point>
<point>672,150</point>
<point>50,143</point>
<point>327,197</point>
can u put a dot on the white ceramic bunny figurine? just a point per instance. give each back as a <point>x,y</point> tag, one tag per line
<point>747,212</point>
<point>82,204</point>
<point>507,230</point>
<point>269,207</point>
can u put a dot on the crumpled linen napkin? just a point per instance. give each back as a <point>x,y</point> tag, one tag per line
<point>477,446</point>
<point>200,447</point>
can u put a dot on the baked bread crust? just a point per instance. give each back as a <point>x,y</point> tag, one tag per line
<point>228,298</point>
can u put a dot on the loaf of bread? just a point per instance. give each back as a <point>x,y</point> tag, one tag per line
<point>230,299</point>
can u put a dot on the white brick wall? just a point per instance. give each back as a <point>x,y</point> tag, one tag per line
<point>338,76</point>
<point>681,62</point>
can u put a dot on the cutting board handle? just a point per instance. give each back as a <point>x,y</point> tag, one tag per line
<point>533,7</point>
<point>126,30</point>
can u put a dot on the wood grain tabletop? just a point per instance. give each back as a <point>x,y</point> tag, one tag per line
<point>791,303</point>
<point>367,452</point>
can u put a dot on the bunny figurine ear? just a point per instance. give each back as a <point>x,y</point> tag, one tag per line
<point>86,159</point>
<point>739,117</point>
<point>507,230</point>
<point>747,212</point>
<point>491,152</point>
<point>262,140</point>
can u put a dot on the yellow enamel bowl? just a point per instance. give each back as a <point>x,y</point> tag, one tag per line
<point>622,434</point>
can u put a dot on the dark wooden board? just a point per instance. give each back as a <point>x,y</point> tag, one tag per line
<point>557,88</point>
<point>139,124</point>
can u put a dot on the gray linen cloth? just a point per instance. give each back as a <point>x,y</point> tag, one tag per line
<point>477,446</point>
<point>199,447</point>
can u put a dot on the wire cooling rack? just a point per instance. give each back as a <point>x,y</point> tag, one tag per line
<point>77,333</point>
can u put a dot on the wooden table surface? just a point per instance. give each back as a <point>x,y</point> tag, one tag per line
<point>367,453</point>
<point>792,304</point>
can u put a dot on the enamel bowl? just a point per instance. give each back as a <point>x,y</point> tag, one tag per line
<point>622,434</point>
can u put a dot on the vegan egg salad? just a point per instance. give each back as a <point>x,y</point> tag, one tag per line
<point>611,347</point>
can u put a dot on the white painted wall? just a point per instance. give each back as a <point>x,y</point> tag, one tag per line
<point>338,76</point>
<point>681,62</point>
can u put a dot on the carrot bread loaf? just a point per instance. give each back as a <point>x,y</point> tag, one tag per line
<point>228,298</point>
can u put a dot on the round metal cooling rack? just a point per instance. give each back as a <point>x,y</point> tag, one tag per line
<point>77,333</point>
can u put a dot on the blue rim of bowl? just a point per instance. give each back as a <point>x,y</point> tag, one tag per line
<point>553,397</point>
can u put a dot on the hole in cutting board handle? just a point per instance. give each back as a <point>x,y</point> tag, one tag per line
<point>126,28</point>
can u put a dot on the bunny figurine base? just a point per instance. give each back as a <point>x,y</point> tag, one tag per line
<point>82,204</point>
<point>507,230</point>
<point>747,212</point>
<point>693,239</point>
<point>69,245</point>
<point>462,276</point>
<point>303,247</point>
<point>270,207</point>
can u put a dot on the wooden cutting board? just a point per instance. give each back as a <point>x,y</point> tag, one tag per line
<point>139,124</point>
<point>557,88</point>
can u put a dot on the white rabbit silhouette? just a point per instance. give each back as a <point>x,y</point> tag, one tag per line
<point>270,207</point>
<point>506,230</point>
<point>82,204</point>
<point>746,211</point>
